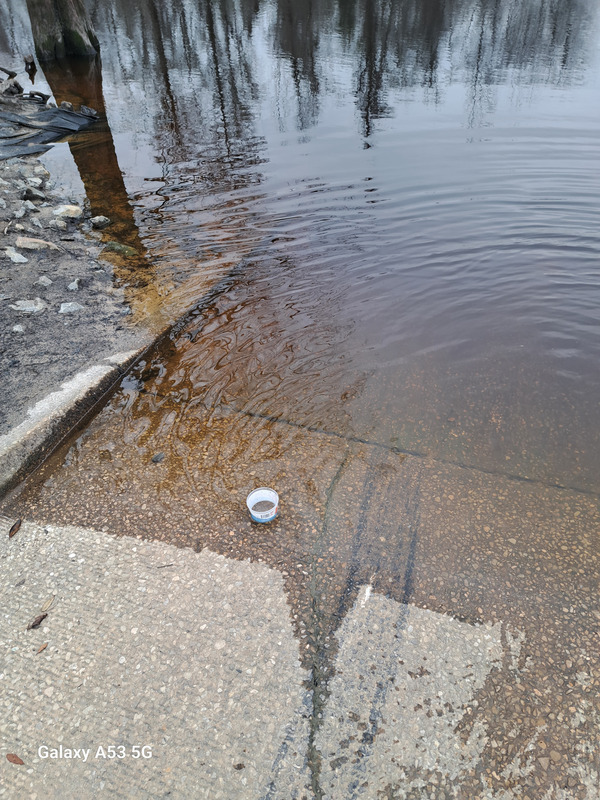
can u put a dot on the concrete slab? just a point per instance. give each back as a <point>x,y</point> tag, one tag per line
<point>189,655</point>
<point>456,550</point>
<point>52,417</point>
<point>405,679</point>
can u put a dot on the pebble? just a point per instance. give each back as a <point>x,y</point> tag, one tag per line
<point>68,211</point>
<point>31,193</point>
<point>74,285</point>
<point>43,280</point>
<point>100,221</point>
<point>70,308</point>
<point>16,258</point>
<point>121,249</point>
<point>29,306</point>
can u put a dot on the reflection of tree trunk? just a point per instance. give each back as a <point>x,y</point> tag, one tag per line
<point>80,81</point>
<point>61,28</point>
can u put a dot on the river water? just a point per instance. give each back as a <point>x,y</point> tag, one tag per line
<point>414,189</point>
<point>374,228</point>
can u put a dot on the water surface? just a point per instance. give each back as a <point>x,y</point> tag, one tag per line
<point>411,189</point>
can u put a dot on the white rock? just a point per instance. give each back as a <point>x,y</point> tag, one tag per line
<point>18,329</point>
<point>57,224</point>
<point>15,257</point>
<point>69,211</point>
<point>100,221</point>
<point>29,306</point>
<point>74,285</point>
<point>70,308</point>
<point>44,281</point>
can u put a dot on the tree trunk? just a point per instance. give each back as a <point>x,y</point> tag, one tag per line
<point>61,28</point>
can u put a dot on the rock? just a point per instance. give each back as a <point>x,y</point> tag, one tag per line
<point>18,329</point>
<point>35,182</point>
<point>29,306</point>
<point>25,207</point>
<point>66,106</point>
<point>15,257</point>
<point>31,193</point>
<point>11,87</point>
<point>544,762</point>
<point>57,224</point>
<point>555,756</point>
<point>89,112</point>
<point>19,227</point>
<point>100,221</point>
<point>121,249</point>
<point>42,172</point>
<point>26,243</point>
<point>44,281</point>
<point>2,202</point>
<point>70,308</point>
<point>69,211</point>
<point>74,285</point>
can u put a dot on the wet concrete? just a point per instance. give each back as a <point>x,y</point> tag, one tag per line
<point>200,423</point>
<point>516,559</point>
<point>457,549</point>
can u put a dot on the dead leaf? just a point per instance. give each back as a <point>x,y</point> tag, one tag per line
<point>37,621</point>
<point>14,529</point>
<point>48,604</point>
<point>14,759</point>
<point>43,647</point>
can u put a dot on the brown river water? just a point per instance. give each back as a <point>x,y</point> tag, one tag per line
<point>374,230</point>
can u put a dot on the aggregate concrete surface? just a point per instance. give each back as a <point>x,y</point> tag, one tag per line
<point>189,655</point>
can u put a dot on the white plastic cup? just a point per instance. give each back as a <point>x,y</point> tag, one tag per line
<point>271,496</point>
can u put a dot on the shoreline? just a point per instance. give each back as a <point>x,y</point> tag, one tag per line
<point>64,331</point>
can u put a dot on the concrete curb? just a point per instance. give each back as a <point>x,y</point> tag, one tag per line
<point>27,445</point>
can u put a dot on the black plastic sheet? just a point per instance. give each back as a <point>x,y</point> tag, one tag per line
<point>30,130</point>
